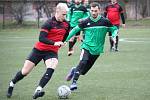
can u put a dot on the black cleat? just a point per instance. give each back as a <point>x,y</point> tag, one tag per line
<point>9,92</point>
<point>38,94</point>
<point>116,50</point>
<point>70,52</point>
<point>73,86</point>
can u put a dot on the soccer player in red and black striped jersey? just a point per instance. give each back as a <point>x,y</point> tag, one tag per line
<point>51,38</point>
<point>113,12</point>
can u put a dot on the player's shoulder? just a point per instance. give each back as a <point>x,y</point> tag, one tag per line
<point>118,5</point>
<point>49,20</point>
<point>66,22</point>
<point>84,8</point>
<point>104,19</point>
<point>108,4</point>
<point>85,20</point>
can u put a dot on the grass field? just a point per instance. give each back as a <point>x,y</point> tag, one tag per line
<point>124,75</point>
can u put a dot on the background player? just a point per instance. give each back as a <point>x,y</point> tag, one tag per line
<point>113,12</point>
<point>74,16</point>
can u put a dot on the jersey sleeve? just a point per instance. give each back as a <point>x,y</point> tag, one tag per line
<point>67,33</point>
<point>122,14</point>
<point>111,28</point>
<point>46,26</point>
<point>86,12</point>
<point>121,9</point>
<point>73,32</point>
<point>44,32</point>
<point>82,24</point>
<point>69,15</point>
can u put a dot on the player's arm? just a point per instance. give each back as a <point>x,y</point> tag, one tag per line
<point>86,13</point>
<point>69,13</point>
<point>44,33</point>
<point>114,31</point>
<point>122,16</point>
<point>123,19</point>
<point>67,33</point>
<point>73,32</point>
<point>105,12</point>
<point>111,28</point>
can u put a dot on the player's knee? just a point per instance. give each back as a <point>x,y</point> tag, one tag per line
<point>25,73</point>
<point>51,63</point>
<point>83,72</point>
<point>81,67</point>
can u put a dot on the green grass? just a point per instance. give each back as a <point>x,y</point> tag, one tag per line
<point>124,75</point>
<point>11,24</point>
<point>139,23</point>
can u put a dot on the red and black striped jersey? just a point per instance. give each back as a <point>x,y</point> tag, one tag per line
<point>53,31</point>
<point>113,13</point>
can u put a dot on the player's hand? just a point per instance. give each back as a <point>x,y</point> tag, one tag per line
<point>123,25</point>
<point>58,43</point>
<point>65,43</point>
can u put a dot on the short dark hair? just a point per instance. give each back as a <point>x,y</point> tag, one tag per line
<point>95,4</point>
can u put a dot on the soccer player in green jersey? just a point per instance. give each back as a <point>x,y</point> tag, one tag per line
<point>94,30</point>
<point>76,13</point>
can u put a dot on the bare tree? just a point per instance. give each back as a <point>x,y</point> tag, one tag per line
<point>18,10</point>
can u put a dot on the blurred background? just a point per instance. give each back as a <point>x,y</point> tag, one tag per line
<point>18,13</point>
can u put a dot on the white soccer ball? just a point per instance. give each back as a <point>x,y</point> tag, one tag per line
<point>63,92</point>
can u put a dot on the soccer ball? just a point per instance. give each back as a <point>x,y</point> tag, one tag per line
<point>63,92</point>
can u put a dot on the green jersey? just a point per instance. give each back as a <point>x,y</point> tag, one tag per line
<point>94,32</point>
<point>75,13</point>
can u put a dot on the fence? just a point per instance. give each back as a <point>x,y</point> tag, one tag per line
<point>34,12</point>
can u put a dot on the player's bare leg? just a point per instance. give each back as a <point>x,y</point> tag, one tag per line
<point>28,66</point>
<point>51,65</point>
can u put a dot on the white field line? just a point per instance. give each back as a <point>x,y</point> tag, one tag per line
<point>135,40</point>
<point>16,38</point>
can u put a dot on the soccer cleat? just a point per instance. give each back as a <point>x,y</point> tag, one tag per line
<point>112,49</point>
<point>9,92</point>
<point>73,86</point>
<point>70,52</point>
<point>70,74</point>
<point>38,93</point>
<point>116,50</point>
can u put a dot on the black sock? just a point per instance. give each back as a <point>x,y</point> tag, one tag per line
<point>18,77</point>
<point>71,44</point>
<point>111,42</point>
<point>116,44</point>
<point>46,77</point>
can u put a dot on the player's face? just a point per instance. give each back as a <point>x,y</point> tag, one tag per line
<point>61,15</point>
<point>95,11</point>
<point>113,1</point>
<point>78,1</point>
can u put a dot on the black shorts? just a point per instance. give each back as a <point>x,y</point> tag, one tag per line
<point>87,60</point>
<point>109,34</point>
<point>36,55</point>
